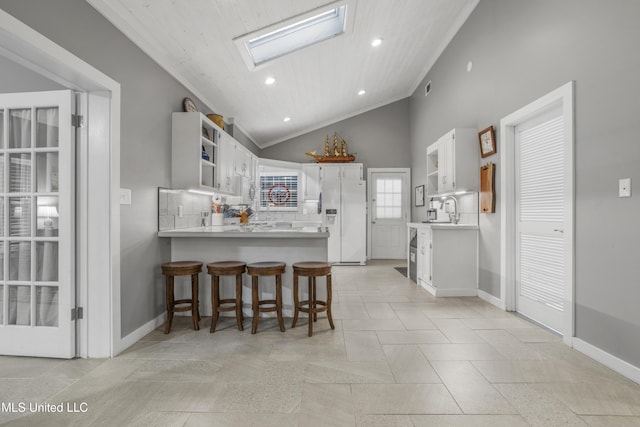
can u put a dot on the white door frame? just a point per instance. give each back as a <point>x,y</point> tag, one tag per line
<point>98,232</point>
<point>565,97</point>
<point>406,196</point>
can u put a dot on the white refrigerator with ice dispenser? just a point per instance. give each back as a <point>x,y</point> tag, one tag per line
<point>344,213</point>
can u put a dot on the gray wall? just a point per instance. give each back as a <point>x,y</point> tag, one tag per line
<point>380,139</point>
<point>149,95</point>
<point>521,50</point>
<point>16,78</point>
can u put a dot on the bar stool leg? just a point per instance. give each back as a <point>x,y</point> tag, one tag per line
<point>329,301</point>
<point>239,317</point>
<point>311,303</point>
<point>296,300</point>
<point>279,301</point>
<point>215,297</point>
<point>254,304</point>
<point>195,314</point>
<point>197,296</point>
<point>315,314</point>
<point>169,298</point>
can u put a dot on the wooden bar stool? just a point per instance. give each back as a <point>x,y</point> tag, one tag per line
<point>311,270</point>
<point>182,268</point>
<point>226,268</point>
<point>269,268</point>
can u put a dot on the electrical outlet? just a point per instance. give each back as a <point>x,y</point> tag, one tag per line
<point>624,187</point>
<point>125,196</point>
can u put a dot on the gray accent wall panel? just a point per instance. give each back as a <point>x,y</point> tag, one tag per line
<point>379,137</point>
<point>522,50</point>
<point>16,78</point>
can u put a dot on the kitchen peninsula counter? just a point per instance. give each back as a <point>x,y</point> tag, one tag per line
<point>247,243</point>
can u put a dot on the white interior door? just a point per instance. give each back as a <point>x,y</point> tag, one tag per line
<point>389,196</point>
<point>37,281</point>
<point>540,218</point>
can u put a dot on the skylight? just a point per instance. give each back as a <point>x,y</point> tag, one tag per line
<point>293,34</point>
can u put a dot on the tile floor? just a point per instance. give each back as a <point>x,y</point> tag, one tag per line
<point>398,357</point>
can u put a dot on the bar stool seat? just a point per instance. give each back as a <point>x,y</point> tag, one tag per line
<point>226,268</point>
<point>313,306</point>
<point>181,268</point>
<point>267,268</point>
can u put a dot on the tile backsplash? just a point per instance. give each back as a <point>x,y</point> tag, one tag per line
<point>467,207</point>
<point>183,209</point>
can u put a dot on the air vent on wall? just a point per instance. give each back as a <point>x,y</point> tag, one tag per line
<point>427,88</point>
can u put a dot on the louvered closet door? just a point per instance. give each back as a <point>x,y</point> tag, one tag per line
<point>540,210</point>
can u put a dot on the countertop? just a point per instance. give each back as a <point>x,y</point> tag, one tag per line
<point>248,232</point>
<point>442,226</point>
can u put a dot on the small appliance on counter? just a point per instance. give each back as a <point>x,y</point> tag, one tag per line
<point>432,214</point>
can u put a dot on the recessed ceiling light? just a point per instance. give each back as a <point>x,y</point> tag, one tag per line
<point>286,119</point>
<point>362,92</point>
<point>269,80</point>
<point>376,42</point>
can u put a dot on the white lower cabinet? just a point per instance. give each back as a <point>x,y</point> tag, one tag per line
<point>447,260</point>
<point>423,261</point>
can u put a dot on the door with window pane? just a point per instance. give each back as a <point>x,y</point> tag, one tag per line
<point>36,224</point>
<point>389,206</point>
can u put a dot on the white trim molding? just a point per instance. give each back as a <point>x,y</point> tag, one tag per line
<point>610,361</point>
<point>141,332</point>
<point>485,296</point>
<point>563,96</point>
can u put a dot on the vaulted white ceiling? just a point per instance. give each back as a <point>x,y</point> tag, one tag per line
<point>316,86</point>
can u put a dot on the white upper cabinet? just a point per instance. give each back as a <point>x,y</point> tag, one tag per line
<point>452,162</point>
<point>194,152</point>
<point>311,181</point>
<point>227,164</point>
<point>244,162</point>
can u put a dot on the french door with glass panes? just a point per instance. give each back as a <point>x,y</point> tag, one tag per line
<point>37,286</point>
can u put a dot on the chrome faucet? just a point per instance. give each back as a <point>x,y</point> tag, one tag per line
<point>454,216</point>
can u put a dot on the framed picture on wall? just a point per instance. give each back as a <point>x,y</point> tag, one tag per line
<point>419,196</point>
<point>487,142</point>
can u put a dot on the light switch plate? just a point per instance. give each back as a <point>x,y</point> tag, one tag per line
<point>624,187</point>
<point>125,196</point>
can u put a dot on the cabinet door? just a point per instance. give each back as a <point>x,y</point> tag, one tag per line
<point>424,256</point>
<point>446,161</point>
<point>330,172</point>
<point>311,181</point>
<point>242,161</point>
<point>227,153</point>
<point>352,172</point>
<point>428,265</point>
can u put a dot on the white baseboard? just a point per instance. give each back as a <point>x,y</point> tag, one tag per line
<point>460,292</point>
<point>620,366</point>
<point>485,296</point>
<point>136,335</point>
